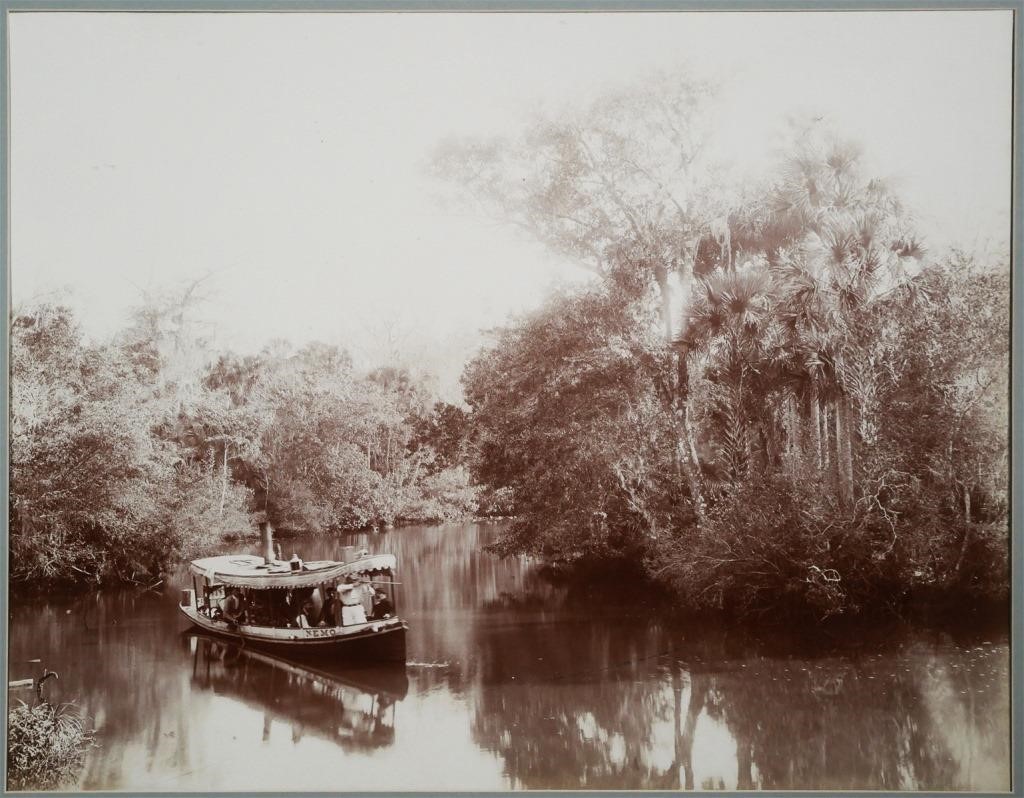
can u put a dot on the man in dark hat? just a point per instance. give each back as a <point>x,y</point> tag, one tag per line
<point>382,606</point>
<point>331,614</point>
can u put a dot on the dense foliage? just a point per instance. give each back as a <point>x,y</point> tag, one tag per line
<point>770,394</point>
<point>128,454</point>
<point>774,396</point>
<point>46,746</point>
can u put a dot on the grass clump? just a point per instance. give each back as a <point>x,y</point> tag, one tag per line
<point>46,746</point>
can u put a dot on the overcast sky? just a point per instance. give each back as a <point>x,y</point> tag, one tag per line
<point>284,154</point>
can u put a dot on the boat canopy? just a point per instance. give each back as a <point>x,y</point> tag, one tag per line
<point>247,570</point>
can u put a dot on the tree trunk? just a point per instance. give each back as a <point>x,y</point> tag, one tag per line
<point>844,455</point>
<point>967,530</point>
<point>840,486</point>
<point>816,421</point>
<point>843,408</point>
<point>792,439</point>
<point>685,452</point>
<point>698,691</point>
<point>826,439</point>
<point>224,481</point>
<point>744,779</point>
<point>686,446</point>
<point>766,447</point>
<point>665,292</point>
<point>677,724</point>
<point>797,437</point>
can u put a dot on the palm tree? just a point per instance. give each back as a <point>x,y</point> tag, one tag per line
<point>794,338</point>
<point>729,323</point>
<point>837,243</point>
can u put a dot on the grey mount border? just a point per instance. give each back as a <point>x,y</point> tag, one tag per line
<point>621,6</point>
<point>498,6</point>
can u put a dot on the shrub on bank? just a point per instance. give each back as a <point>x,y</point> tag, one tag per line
<point>444,496</point>
<point>46,746</point>
<point>783,547</point>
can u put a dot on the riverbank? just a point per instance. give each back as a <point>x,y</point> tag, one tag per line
<point>588,580</point>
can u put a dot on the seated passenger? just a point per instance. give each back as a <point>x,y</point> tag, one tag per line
<point>304,619</point>
<point>259,611</point>
<point>382,606</point>
<point>233,607</point>
<point>281,608</point>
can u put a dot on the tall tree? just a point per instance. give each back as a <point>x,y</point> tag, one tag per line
<point>622,188</point>
<point>837,242</point>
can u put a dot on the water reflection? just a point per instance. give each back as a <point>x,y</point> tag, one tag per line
<point>353,709</point>
<point>621,705</point>
<point>514,681</point>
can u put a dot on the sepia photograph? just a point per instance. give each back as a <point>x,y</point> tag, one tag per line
<point>487,400</point>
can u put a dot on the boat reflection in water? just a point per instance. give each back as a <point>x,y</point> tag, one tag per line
<point>354,709</point>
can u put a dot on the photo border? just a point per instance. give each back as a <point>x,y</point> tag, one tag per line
<point>8,7</point>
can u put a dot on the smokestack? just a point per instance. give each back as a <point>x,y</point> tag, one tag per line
<point>267,541</point>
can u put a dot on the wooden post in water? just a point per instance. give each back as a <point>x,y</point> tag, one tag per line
<point>267,541</point>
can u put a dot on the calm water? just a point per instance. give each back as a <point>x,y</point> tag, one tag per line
<point>514,682</point>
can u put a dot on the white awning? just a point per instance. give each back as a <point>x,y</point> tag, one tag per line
<point>246,570</point>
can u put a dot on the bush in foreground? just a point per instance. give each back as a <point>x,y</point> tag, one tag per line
<point>46,746</point>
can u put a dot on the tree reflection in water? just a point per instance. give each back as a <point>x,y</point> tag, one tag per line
<point>628,703</point>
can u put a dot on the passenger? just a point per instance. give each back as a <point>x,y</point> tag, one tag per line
<point>331,615</point>
<point>304,619</point>
<point>282,608</point>
<point>233,607</point>
<point>352,610</point>
<point>295,604</point>
<point>260,611</point>
<point>366,593</point>
<point>382,606</point>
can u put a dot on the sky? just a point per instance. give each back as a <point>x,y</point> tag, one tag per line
<point>284,157</point>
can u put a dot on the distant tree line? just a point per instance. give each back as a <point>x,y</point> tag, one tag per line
<point>771,395</point>
<point>131,453</point>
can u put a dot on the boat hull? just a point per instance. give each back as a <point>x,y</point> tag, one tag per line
<point>379,642</point>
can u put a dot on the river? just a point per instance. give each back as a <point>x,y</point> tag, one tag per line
<point>514,681</point>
